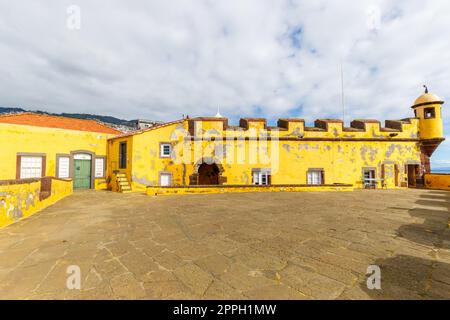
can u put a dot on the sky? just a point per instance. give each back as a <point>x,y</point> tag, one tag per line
<point>160,60</point>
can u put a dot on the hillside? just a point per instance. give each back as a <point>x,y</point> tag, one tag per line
<point>125,125</point>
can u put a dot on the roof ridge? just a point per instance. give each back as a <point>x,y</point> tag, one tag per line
<point>54,116</point>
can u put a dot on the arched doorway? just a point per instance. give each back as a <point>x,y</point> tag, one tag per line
<point>207,171</point>
<point>208,174</point>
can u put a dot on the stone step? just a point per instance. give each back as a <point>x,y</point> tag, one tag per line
<point>122,182</point>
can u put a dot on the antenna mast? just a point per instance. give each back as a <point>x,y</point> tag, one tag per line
<point>342,94</point>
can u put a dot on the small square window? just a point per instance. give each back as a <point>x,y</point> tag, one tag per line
<point>165,150</point>
<point>261,177</point>
<point>429,113</point>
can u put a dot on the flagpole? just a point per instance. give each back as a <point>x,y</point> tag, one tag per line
<point>342,93</point>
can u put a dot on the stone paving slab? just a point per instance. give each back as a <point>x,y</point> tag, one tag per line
<point>308,245</point>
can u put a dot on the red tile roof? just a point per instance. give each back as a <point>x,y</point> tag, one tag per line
<point>48,121</point>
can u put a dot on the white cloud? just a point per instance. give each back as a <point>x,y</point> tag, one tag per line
<point>161,59</point>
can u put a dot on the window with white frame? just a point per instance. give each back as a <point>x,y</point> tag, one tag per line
<point>99,168</point>
<point>165,150</point>
<point>315,177</point>
<point>369,178</point>
<point>261,177</point>
<point>30,167</point>
<point>63,167</point>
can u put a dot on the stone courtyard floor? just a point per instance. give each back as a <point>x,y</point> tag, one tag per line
<point>310,245</point>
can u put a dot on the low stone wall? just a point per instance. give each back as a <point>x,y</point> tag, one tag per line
<point>21,198</point>
<point>439,181</point>
<point>180,190</point>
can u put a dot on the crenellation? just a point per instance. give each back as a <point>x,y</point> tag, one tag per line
<point>394,124</point>
<point>255,123</point>
<point>328,124</point>
<point>365,124</point>
<point>292,125</point>
<point>294,128</point>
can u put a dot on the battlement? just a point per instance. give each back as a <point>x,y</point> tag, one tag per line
<point>295,128</point>
<point>253,123</point>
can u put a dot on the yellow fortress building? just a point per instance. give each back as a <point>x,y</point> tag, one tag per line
<point>208,151</point>
<point>193,153</point>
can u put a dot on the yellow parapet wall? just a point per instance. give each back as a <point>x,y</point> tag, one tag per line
<point>157,190</point>
<point>21,198</point>
<point>437,181</point>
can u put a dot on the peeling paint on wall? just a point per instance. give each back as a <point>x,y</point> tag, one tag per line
<point>392,149</point>
<point>142,180</point>
<point>342,161</point>
<point>21,200</point>
<point>375,135</point>
<point>335,133</point>
<point>287,147</point>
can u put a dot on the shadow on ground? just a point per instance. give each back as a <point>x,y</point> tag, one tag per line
<point>408,277</point>
<point>434,208</point>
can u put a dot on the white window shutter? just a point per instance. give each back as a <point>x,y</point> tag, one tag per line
<point>99,168</point>
<point>63,167</point>
<point>165,180</point>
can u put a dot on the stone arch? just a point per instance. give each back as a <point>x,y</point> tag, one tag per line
<point>207,166</point>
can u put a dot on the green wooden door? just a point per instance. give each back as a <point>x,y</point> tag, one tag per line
<point>82,174</point>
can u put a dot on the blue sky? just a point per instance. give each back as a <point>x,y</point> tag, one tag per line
<point>271,58</point>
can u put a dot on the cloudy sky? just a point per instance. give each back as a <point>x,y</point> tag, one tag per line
<point>161,59</point>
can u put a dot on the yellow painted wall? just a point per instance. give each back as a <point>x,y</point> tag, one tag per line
<point>341,153</point>
<point>437,181</point>
<point>342,162</point>
<point>147,163</point>
<point>50,141</point>
<point>20,200</point>
<point>144,162</point>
